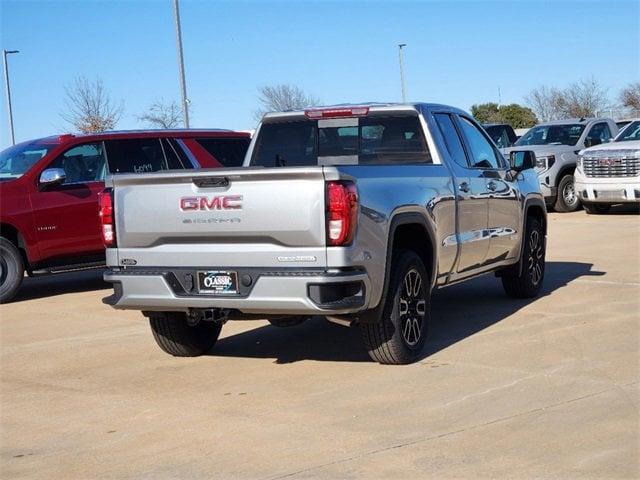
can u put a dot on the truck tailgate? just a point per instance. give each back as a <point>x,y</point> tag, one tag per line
<point>222,217</point>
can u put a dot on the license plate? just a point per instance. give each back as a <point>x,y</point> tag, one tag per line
<point>218,282</point>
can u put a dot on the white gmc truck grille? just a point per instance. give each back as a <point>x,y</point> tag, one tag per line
<point>611,166</point>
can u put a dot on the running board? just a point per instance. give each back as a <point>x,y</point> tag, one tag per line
<point>69,268</point>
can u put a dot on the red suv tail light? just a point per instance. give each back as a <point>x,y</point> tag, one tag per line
<point>342,209</point>
<point>107,226</point>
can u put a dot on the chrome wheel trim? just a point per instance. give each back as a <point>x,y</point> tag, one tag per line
<point>535,261</point>
<point>569,194</point>
<point>412,307</point>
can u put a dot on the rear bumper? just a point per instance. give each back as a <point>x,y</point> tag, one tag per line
<point>284,292</point>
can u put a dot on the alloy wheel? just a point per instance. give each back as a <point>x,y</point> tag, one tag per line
<point>536,257</point>
<point>569,194</point>
<point>413,307</point>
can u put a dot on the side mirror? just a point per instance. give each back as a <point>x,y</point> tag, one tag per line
<point>592,142</point>
<point>522,160</point>
<point>52,176</point>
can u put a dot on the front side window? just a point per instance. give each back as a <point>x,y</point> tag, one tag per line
<point>370,140</point>
<point>483,155</point>
<point>451,139</point>
<point>139,155</point>
<point>83,163</point>
<point>630,132</point>
<point>499,135</point>
<point>17,160</point>
<point>566,134</point>
<point>598,134</point>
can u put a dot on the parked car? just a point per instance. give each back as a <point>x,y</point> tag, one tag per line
<point>49,191</point>
<point>557,145</point>
<point>502,134</point>
<point>353,213</point>
<point>610,174</point>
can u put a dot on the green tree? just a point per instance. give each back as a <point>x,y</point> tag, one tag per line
<point>486,112</point>
<point>515,115</point>
<point>518,116</point>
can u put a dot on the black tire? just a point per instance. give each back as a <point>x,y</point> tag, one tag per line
<point>596,208</point>
<point>288,321</point>
<point>567,199</point>
<point>11,270</point>
<point>176,337</point>
<point>525,278</point>
<point>398,338</point>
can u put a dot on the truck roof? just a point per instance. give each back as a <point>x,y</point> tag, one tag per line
<point>117,134</point>
<point>583,120</point>
<point>372,107</point>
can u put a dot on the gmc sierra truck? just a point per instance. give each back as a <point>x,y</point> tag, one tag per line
<point>352,213</point>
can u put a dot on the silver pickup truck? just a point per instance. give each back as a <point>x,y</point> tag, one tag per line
<point>352,213</point>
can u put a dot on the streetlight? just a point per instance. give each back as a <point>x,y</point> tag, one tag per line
<point>400,47</point>
<point>183,87</point>
<point>8,89</point>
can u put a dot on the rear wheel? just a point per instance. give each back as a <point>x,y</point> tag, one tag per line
<point>596,208</point>
<point>567,200</point>
<point>176,337</point>
<point>11,270</point>
<point>288,321</point>
<point>524,279</point>
<point>399,337</point>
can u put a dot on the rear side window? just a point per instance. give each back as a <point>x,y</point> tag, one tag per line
<point>451,138</point>
<point>140,155</point>
<point>229,152</point>
<point>363,141</point>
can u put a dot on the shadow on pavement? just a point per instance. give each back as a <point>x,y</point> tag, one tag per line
<point>457,312</point>
<point>61,283</point>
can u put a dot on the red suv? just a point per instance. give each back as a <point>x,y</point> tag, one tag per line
<point>49,191</point>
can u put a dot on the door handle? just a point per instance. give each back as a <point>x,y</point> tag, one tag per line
<point>492,186</point>
<point>464,187</point>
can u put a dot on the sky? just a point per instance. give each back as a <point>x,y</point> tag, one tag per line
<point>458,53</point>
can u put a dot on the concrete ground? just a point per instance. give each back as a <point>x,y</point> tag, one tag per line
<point>518,389</point>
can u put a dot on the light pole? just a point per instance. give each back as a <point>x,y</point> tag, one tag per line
<point>183,87</point>
<point>8,89</point>
<point>400,47</point>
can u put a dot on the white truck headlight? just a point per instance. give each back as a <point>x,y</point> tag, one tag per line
<point>544,163</point>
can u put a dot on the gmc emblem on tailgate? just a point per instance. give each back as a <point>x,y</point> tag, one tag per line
<point>222,202</point>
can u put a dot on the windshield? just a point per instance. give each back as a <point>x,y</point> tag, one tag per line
<point>630,132</point>
<point>17,160</point>
<point>567,134</point>
<point>350,141</point>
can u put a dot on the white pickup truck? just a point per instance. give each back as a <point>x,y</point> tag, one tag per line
<point>610,173</point>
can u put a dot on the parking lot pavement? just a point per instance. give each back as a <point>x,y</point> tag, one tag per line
<point>547,388</point>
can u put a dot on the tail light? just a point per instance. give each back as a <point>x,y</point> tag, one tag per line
<point>107,226</point>
<point>342,209</point>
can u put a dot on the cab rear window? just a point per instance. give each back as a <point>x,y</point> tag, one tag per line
<point>363,141</point>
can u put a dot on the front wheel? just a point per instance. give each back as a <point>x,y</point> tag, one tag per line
<point>11,270</point>
<point>175,336</point>
<point>567,200</point>
<point>596,208</point>
<point>524,279</point>
<point>400,334</point>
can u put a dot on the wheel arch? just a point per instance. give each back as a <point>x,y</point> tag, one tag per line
<point>12,234</point>
<point>406,229</point>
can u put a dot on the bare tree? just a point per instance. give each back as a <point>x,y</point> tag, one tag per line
<point>545,102</point>
<point>280,98</point>
<point>630,97</point>
<point>162,115</point>
<point>585,98</point>
<point>89,107</point>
